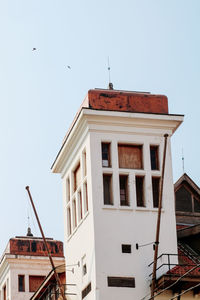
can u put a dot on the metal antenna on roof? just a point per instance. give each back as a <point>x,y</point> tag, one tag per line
<point>110,85</point>
<point>183,161</point>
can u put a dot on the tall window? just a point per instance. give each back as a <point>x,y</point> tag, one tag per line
<point>21,283</point>
<point>154,157</point>
<point>84,164</point>
<point>4,293</point>
<point>155,190</point>
<point>130,156</point>
<point>74,213</point>
<point>80,208</point>
<point>123,183</point>
<point>7,287</point>
<point>85,197</point>
<point>105,148</point>
<point>77,177</point>
<point>107,189</point>
<point>68,189</point>
<point>69,223</point>
<point>139,182</point>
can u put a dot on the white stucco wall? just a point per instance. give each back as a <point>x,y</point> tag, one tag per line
<point>117,225</point>
<point>102,231</point>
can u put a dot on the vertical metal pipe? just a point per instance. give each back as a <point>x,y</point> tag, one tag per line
<point>159,218</point>
<point>46,246</point>
<point>168,261</point>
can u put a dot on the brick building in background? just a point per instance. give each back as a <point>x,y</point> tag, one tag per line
<point>110,164</point>
<point>25,264</point>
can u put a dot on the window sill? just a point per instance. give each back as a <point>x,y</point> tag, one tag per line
<point>125,208</point>
<point>109,207</point>
<point>148,209</point>
<point>156,209</point>
<point>142,208</point>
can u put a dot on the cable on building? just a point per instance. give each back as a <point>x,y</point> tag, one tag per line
<point>165,289</point>
<point>190,289</point>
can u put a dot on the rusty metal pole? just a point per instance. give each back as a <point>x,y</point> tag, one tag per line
<point>159,218</point>
<point>46,246</point>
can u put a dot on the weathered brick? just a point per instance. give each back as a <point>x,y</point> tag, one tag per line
<point>126,101</point>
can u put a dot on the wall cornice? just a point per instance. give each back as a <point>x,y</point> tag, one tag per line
<point>90,120</point>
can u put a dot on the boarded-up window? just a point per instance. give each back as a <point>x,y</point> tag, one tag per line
<point>21,283</point>
<point>130,156</point>
<point>183,200</point>
<point>85,197</point>
<point>123,184</point>
<point>107,189</point>
<point>69,223</point>
<point>86,290</point>
<point>155,190</point>
<point>139,182</point>
<point>35,282</point>
<point>105,148</point>
<point>154,157</point>
<point>128,282</point>
<point>77,177</point>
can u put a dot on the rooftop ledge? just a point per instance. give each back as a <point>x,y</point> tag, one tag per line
<point>126,101</point>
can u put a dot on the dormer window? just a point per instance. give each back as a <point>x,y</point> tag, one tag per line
<point>187,200</point>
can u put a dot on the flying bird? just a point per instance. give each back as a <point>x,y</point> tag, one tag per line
<point>34,49</point>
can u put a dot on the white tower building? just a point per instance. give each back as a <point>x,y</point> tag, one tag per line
<point>110,164</point>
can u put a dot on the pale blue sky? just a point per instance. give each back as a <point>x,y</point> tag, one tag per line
<point>153,45</point>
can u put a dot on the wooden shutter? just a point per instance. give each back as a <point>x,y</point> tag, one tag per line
<point>130,156</point>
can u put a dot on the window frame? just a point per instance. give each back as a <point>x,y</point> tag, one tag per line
<point>157,161</point>
<point>126,194</point>
<point>108,154</point>
<point>156,178</point>
<point>143,190</point>
<point>74,214</point>
<point>77,171</point>
<point>110,202</point>
<point>69,221</point>
<point>23,283</point>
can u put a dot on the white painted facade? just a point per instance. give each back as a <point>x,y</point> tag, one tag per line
<point>13,265</point>
<point>96,240</point>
